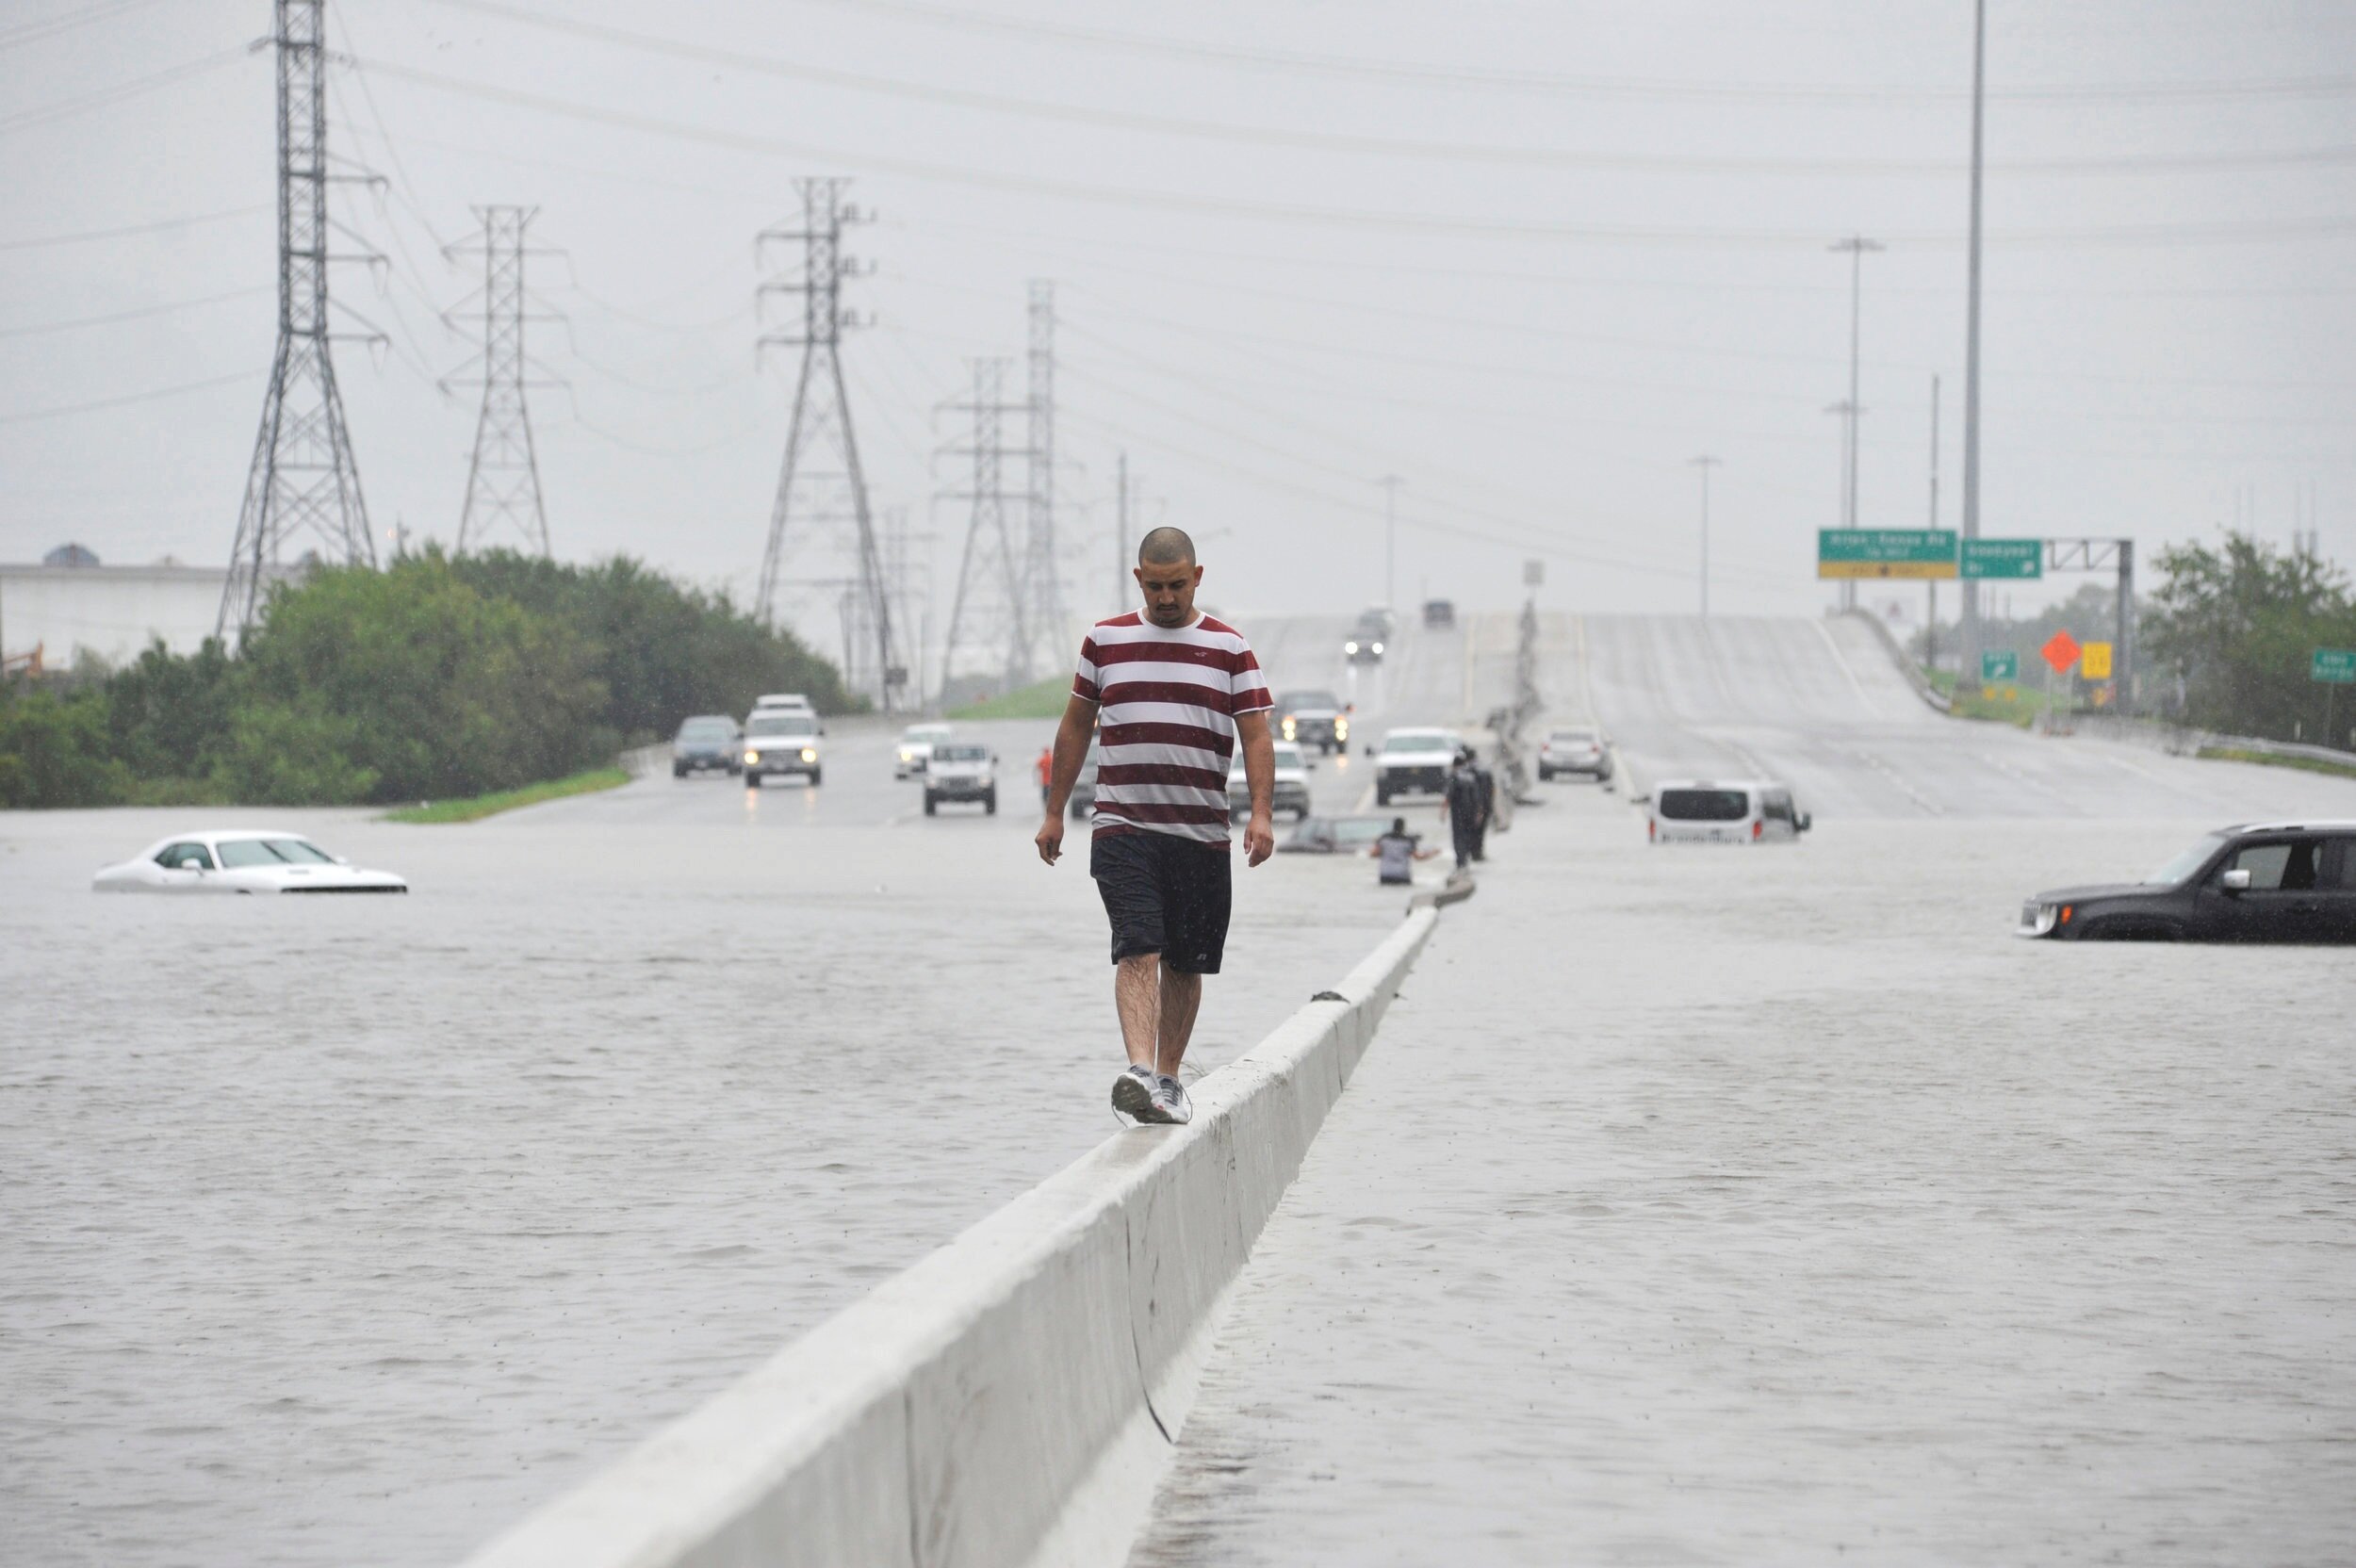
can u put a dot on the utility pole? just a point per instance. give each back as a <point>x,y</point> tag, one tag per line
<point>1969,655</point>
<point>991,560</point>
<point>822,409</point>
<point>1705,463</point>
<point>1857,245</point>
<point>1121,540</point>
<point>1390,483</point>
<point>503,480</point>
<point>1042,572</point>
<point>303,476</point>
<point>1930,629</point>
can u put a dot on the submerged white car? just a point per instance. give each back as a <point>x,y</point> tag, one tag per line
<point>256,860</point>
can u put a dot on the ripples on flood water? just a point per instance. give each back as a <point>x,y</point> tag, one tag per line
<point>347,1229</point>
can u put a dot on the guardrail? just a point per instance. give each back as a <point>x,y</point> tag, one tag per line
<point>1905,661</point>
<point>2184,741</point>
<point>1013,1397</point>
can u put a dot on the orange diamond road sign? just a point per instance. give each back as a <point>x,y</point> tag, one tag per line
<point>2061,652</point>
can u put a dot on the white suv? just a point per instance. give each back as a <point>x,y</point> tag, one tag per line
<point>1414,759</point>
<point>781,741</point>
<point>1745,811</point>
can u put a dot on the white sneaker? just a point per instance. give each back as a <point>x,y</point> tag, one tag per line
<point>1170,1098</point>
<point>1133,1094</point>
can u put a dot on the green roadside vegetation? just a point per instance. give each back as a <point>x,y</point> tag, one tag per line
<point>475,807</point>
<point>437,678</point>
<point>1043,699</point>
<point>2268,759</point>
<point>2225,643</point>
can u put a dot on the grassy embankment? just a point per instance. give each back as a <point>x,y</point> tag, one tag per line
<point>2304,765</point>
<point>2023,706</point>
<point>1043,700</point>
<point>475,807</point>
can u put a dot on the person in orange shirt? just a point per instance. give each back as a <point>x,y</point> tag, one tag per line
<point>1045,767</point>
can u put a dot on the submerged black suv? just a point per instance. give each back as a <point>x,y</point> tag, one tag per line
<point>2264,882</point>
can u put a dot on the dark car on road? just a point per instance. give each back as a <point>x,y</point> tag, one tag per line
<point>1364,644</point>
<point>2261,882</point>
<point>1439,613</point>
<point>706,741</point>
<point>1318,719</point>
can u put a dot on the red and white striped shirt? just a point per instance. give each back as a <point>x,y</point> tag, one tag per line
<point>1166,721</point>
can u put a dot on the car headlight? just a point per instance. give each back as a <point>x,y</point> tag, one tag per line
<point>1341,730</point>
<point>1378,648</point>
<point>2043,919</point>
<point>907,756</point>
<point>1349,647</point>
<point>810,754</point>
<point>751,755</point>
<point>1288,728</point>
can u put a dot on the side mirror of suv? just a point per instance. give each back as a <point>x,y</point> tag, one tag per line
<point>2236,880</point>
<point>1807,821</point>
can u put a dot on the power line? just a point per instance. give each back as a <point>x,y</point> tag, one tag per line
<point>67,109</point>
<point>1535,82</point>
<point>29,416</point>
<point>1493,228</point>
<point>34,32</point>
<point>160,226</point>
<point>1387,147</point>
<point>141,314</point>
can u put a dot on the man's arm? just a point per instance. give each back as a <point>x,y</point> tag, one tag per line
<point>1071,749</point>
<point>1259,771</point>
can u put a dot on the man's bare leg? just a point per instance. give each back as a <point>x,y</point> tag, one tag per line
<point>1181,995</point>
<point>1137,993</point>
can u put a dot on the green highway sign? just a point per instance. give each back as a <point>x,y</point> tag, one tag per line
<point>2004,558</point>
<point>1995,667</point>
<point>2335,665</point>
<point>1885,552</point>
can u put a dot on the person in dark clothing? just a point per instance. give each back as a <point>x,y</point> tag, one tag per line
<point>1488,803</point>
<point>1399,852</point>
<point>1460,808</point>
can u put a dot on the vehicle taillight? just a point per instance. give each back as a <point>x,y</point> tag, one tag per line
<point>2067,911</point>
<point>1652,830</point>
<point>1758,826</point>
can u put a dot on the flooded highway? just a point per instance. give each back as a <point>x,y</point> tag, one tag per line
<point>349,1230</point>
<point>341,1231</point>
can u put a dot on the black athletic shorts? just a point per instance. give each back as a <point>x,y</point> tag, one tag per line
<point>1165,895</point>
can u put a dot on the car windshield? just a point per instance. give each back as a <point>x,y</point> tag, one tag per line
<point>1573,736</point>
<point>1706,805</point>
<point>781,723</point>
<point>2181,868</point>
<point>1296,702</point>
<point>926,734</point>
<point>1359,830</point>
<point>236,852</point>
<point>1418,742</point>
<point>706,729</point>
<point>964,753</point>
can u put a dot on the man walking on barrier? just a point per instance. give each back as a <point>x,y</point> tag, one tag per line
<point>1178,692</point>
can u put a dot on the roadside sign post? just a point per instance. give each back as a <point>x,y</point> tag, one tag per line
<point>1914,553</point>
<point>1998,667</point>
<point>2334,668</point>
<point>2060,652</point>
<point>2014,560</point>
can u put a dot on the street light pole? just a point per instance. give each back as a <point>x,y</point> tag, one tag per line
<point>1705,463</point>
<point>1855,245</point>
<point>1390,483</point>
<point>1969,654</point>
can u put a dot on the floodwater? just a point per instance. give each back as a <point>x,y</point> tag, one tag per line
<point>348,1230</point>
<point>1703,1206</point>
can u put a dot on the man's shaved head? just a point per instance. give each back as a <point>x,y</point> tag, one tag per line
<point>1166,546</point>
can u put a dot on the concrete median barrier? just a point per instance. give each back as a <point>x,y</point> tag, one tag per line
<point>1011,1398</point>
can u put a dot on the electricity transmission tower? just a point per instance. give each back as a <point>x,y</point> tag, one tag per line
<point>821,415</point>
<point>304,476</point>
<point>1042,572</point>
<point>503,480</point>
<point>990,585</point>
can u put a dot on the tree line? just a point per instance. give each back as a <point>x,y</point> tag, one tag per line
<point>433,678</point>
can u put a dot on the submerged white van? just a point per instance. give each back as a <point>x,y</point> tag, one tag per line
<point>1742,811</point>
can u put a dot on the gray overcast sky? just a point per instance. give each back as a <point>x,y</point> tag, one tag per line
<point>1531,257</point>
